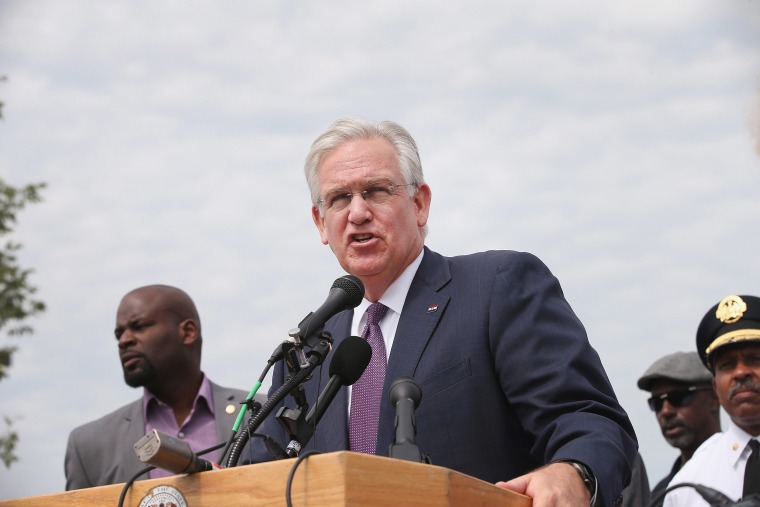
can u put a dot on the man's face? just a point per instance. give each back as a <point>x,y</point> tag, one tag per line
<point>374,242</point>
<point>737,383</point>
<point>686,418</point>
<point>149,339</point>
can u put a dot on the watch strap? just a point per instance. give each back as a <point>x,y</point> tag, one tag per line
<point>586,475</point>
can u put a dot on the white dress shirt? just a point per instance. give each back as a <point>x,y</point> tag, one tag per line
<point>718,464</point>
<point>393,298</point>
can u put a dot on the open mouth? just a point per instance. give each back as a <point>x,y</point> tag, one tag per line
<point>362,238</point>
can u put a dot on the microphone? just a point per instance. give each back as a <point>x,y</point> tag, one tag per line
<point>349,362</point>
<point>346,293</point>
<point>169,453</point>
<point>405,395</point>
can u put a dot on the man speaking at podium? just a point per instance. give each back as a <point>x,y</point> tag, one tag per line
<point>511,388</point>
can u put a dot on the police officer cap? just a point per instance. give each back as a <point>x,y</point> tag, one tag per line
<point>685,367</point>
<point>736,319</point>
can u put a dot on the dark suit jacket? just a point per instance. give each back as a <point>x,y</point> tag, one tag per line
<point>637,494</point>
<point>663,484</point>
<point>509,381</point>
<point>102,452</point>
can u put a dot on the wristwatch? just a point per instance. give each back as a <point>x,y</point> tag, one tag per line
<point>587,476</point>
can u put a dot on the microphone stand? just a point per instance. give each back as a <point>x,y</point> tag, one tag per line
<point>299,373</point>
<point>294,420</point>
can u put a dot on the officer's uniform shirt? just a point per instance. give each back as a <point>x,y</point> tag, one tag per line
<point>718,464</point>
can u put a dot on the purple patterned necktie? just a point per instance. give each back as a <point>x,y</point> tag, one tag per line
<point>366,392</point>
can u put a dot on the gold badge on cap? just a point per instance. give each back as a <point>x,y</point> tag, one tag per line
<point>730,309</point>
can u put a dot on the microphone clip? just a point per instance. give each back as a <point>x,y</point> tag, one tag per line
<point>252,405</point>
<point>294,419</point>
<point>319,344</point>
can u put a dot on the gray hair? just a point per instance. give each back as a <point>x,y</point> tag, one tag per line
<point>350,129</point>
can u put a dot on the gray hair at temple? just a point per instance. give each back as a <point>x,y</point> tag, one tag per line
<point>350,129</point>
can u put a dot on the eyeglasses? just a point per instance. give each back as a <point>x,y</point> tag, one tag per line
<point>376,195</point>
<point>677,399</point>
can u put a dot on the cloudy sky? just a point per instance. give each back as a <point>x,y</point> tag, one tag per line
<point>615,140</point>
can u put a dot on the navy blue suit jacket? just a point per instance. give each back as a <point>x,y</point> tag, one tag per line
<point>509,381</point>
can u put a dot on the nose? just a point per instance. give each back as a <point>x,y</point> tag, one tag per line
<point>742,370</point>
<point>667,411</point>
<point>126,339</point>
<point>358,210</point>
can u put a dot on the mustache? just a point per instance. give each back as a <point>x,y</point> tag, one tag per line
<point>743,384</point>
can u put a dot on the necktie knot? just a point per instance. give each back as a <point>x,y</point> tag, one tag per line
<point>375,313</point>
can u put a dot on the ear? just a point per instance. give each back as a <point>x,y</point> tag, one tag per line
<point>421,200</point>
<point>188,330</point>
<point>319,221</point>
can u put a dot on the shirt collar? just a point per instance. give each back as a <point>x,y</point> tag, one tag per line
<point>204,392</point>
<point>737,439</point>
<point>395,294</point>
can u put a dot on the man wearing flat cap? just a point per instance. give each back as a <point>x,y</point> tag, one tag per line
<point>728,342</point>
<point>684,404</point>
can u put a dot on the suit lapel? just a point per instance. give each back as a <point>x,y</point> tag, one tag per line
<point>224,420</point>
<point>133,429</point>
<point>423,308</point>
<point>334,424</point>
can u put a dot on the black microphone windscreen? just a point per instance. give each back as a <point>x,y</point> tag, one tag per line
<point>351,359</point>
<point>353,287</point>
<point>347,292</point>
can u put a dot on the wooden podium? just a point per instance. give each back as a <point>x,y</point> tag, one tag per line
<point>324,480</point>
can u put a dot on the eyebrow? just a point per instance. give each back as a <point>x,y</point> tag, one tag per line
<point>365,185</point>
